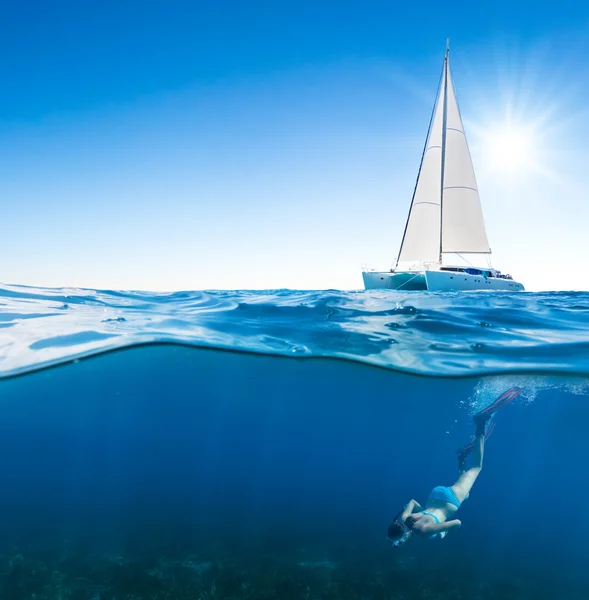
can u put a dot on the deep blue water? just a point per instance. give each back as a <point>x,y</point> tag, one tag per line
<point>185,470</point>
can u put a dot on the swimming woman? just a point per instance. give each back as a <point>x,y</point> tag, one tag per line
<point>436,519</point>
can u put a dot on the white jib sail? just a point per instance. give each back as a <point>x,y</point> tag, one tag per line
<point>421,242</point>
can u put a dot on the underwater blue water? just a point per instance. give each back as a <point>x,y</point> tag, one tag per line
<point>139,458</point>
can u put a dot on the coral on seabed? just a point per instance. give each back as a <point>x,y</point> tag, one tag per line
<point>47,576</point>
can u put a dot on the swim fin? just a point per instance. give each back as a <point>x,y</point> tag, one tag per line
<point>484,421</point>
<point>463,452</point>
<point>482,417</point>
<point>509,396</point>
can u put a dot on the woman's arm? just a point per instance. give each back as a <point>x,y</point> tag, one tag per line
<point>445,526</point>
<point>411,506</point>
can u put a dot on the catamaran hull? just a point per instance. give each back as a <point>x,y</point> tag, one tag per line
<point>385,280</point>
<point>437,281</point>
<point>448,281</point>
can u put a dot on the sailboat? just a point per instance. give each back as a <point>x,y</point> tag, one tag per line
<point>445,220</point>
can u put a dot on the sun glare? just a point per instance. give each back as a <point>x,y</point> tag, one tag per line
<point>510,149</point>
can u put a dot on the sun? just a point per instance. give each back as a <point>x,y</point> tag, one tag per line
<point>511,149</point>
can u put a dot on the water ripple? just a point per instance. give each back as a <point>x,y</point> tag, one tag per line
<point>434,334</point>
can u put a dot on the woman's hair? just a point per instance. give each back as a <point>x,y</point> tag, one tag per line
<point>396,530</point>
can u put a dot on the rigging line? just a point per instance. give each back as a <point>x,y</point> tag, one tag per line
<point>465,259</point>
<point>408,281</point>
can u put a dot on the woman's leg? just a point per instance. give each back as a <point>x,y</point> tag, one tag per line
<point>466,480</point>
<point>463,453</point>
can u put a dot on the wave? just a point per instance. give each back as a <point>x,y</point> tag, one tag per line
<point>445,334</point>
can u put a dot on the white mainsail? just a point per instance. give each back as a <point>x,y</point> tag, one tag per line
<point>445,214</point>
<point>463,226</point>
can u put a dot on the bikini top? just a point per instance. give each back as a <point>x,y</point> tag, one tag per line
<point>441,534</point>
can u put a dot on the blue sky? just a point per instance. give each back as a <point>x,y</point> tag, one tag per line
<point>187,145</point>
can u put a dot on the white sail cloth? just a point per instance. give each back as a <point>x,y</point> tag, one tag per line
<point>448,220</point>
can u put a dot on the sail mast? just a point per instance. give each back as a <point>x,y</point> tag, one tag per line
<point>444,120</point>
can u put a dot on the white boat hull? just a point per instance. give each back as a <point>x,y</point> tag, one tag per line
<point>448,281</point>
<point>436,281</point>
<point>403,281</point>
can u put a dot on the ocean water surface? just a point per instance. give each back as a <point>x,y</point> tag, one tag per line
<point>240,445</point>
